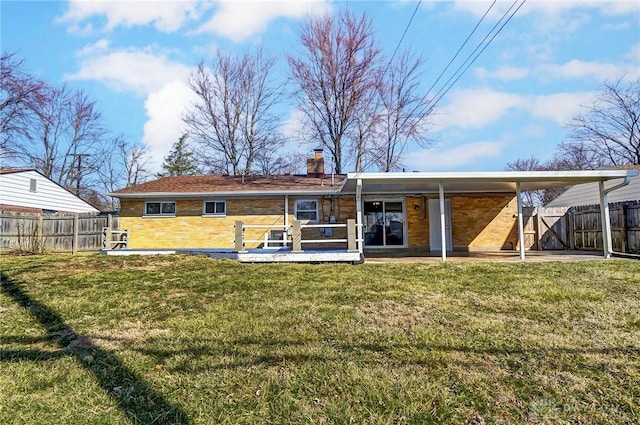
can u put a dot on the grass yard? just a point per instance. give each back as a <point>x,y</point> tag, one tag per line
<point>179,339</point>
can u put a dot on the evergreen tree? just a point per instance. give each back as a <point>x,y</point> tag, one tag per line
<point>180,161</point>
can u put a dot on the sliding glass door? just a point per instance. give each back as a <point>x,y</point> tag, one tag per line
<point>384,223</point>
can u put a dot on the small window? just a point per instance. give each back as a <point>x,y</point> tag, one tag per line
<point>160,208</point>
<point>306,210</point>
<point>214,208</point>
<point>33,185</point>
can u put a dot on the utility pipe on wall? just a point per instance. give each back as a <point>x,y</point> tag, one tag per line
<point>443,222</point>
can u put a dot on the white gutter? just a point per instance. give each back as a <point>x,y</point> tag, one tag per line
<point>626,181</point>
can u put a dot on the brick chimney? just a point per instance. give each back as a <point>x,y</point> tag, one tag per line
<point>315,165</point>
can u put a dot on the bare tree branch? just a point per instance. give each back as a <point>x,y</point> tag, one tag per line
<point>405,114</point>
<point>19,92</point>
<point>609,130</point>
<point>232,120</point>
<point>335,75</point>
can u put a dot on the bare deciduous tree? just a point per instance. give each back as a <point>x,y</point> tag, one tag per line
<point>233,120</point>
<point>567,157</point>
<point>59,132</point>
<point>19,91</point>
<point>609,130</point>
<point>336,72</point>
<point>67,133</point>
<point>123,165</point>
<point>404,114</point>
<point>283,164</point>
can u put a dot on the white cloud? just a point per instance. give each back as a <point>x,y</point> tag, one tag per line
<point>505,73</point>
<point>145,73</point>
<point>559,107</point>
<point>294,127</point>
<point>239,20</point>
<point>548,7</point>
<point>480,108</point>
<point>164,125</point>
<point>164,15</point>
<point>581,69</point>
<point>139,71</point>
<point>475,108</point>
<point>435,159</point>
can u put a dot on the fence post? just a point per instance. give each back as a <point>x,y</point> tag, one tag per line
<point>296,236</point>
<point>39,232</point>
<point>74,243</point>
<point>239,236</point>
<point>571,229</point>
<point>623,227</point>
<point>538,229</point>
<point>351,235</point>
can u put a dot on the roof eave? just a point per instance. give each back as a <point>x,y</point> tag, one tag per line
<point>228,194</point>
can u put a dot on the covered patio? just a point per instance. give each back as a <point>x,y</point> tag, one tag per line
<point>470,183</point>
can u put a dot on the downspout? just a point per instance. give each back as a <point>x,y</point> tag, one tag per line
<point>286,214</point>
<point>607,240</point>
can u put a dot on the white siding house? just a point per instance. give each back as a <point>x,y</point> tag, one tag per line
<point>28,189</point>
<point>588,193</point>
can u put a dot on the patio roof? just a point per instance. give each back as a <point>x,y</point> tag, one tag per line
<point>475,182</point>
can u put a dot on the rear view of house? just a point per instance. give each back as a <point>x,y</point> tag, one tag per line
<point>401,212</point>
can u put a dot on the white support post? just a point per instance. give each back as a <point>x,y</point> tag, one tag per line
<point>520,223</point>
<point>607,241</point>
<point>286,212</point>
<point>443,223</point>
<point>359,230</point>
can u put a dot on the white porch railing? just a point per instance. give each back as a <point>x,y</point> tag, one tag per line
<point>114,239</point>
<point>295,232</point>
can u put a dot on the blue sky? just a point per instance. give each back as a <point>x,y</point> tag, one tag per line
<point>133,58</point>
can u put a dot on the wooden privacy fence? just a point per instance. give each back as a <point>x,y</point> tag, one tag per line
<point>580,228</point>
<point>40,233</point>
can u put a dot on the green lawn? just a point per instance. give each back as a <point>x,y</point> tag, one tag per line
<point>178,339</point>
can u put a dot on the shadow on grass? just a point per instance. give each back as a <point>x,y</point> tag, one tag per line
<point>135,398</point>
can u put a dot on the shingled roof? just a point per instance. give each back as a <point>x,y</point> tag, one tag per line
<point>232,185</point>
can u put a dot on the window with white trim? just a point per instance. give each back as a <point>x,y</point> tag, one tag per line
<point>214,208</point>
<point>167,208</point>
<point>306,210</point>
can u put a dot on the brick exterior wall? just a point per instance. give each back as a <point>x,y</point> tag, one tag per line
<point>478,222</point>
<point>484,222</point>
<point>190,229</point>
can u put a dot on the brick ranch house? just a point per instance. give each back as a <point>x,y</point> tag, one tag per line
<point>406,212</point>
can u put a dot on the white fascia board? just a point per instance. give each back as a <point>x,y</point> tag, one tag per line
<point>245,194</point>
<point>510,176</point>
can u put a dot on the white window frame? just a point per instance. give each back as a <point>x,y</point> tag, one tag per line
<point>160,214</point>
<point>296,210</point>
<point>215,213</point>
